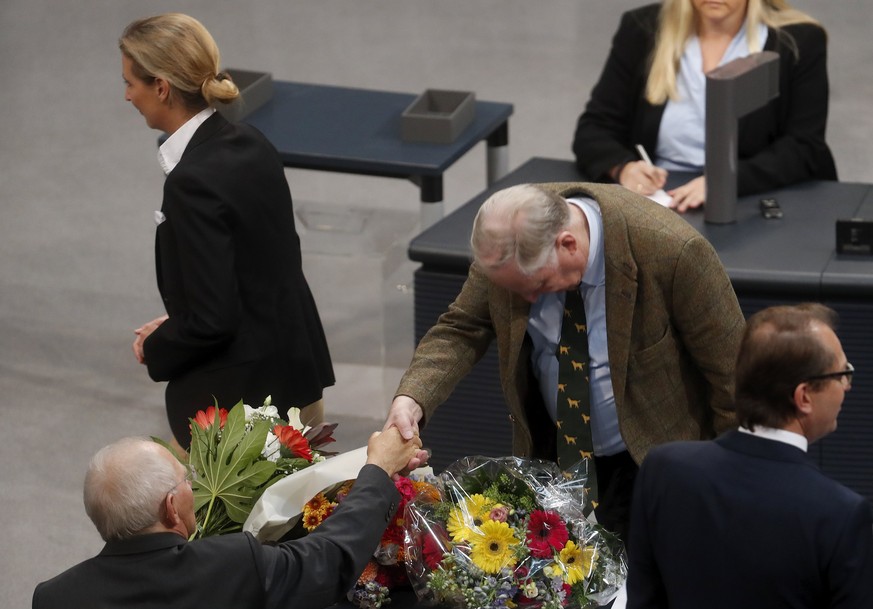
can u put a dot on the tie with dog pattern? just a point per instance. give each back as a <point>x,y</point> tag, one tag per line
<point>574,399</point>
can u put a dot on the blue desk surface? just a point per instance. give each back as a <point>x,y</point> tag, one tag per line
<point>794,255</point>
<point>358,130</point>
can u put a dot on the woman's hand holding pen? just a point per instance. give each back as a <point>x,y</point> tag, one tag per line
<point>642,177</point>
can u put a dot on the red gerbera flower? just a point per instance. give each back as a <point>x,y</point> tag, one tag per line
<point>294,441</point>
<point>393,534</point>
<point>546,533</point>
<point>391,576</point>
<point>205,419</point>
<point>434,545</point>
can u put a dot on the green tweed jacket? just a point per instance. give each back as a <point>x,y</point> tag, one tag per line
<point>673,326</point>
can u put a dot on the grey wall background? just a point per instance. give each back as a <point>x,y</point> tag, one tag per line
<point>79,181</point>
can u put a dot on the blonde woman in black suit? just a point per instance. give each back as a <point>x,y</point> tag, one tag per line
<point>240,322</point>
<point>652,92</point>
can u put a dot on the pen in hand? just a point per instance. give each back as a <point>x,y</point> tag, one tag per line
<point>644,155</point>
<point>657,176</point>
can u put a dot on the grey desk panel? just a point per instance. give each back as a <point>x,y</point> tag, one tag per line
<point>789,254</point>
<point>850,276</point>
<point>358,131</point>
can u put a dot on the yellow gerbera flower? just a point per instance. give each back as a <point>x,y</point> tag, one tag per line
<point>465,517</point>
<point>576,562</point>
<point>493,548</point>
<point>478,506</point>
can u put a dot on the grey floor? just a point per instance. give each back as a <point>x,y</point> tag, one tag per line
<point>79,181</point>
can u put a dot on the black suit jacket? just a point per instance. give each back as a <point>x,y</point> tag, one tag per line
<point>163,570</point>
<point>782,143</point>
<point>746,522</point>
<point>241,315</point>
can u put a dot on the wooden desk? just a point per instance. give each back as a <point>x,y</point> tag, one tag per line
<point>357,131</point>
<point>769,262</point>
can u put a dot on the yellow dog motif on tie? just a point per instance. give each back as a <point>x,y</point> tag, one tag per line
<point>581,327</point>
<point>562,350</point>
<point>586,455</point>
<point>570,439</point>
<point>577,365</point>
<point>561,387</point>
<point>572,403</point>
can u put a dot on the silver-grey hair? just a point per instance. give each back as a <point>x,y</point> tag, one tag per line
<point>519,224</point>
<point>125,487</point>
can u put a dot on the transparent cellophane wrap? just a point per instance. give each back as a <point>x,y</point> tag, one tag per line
<point>547,553</point>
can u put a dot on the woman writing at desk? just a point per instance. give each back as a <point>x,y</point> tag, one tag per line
<point>652,92</point>
<point>241,322</point>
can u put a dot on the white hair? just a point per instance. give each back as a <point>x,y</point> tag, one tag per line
<point>519,224</point>
<point>125,486</point>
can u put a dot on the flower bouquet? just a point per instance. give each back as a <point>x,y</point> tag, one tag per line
<point>237,454</point>
<point>386,570</point>
<point>299,503</point>
<point>510,532</point>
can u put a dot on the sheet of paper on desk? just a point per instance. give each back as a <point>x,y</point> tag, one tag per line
<point>661,197</point>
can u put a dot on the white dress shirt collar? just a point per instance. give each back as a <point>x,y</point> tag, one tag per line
<point>595,270</point>
<point>170,152</point>
<point>779,435</point>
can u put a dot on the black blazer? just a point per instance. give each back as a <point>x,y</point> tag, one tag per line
<point>241,315</point>
<point>782,143</point>
<point>746,522</point>
<point>163,570</point>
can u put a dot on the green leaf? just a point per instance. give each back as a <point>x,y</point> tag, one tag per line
<point>229,466</point>
<point>239,500</point>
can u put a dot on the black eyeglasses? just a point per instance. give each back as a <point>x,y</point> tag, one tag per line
<point>190,476</point>
<point>844,376</point>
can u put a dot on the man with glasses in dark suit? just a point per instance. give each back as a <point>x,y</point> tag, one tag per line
<point>746,520</point>
<point>138,496</point>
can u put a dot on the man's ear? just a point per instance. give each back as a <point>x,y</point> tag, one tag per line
<point>803,399</point>
<point>567,241</point>
<point>170,514</point>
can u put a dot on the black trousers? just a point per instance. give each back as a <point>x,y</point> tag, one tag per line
<point>615,486</point>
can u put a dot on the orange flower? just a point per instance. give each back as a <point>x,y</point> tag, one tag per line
<point>294,441</point>
<point>369,572</point>
<point>206,418</point>
<point>427,489</point>
<point>311,520</point>
<point>316,510</point>
<point>319,503</point>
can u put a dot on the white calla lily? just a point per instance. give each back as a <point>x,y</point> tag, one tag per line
<point>271,447</point>
<point>294,420</point>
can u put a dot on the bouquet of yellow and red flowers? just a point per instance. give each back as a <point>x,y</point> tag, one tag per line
<point>386,569</point>
<point>510,532</point>
<point>236,455</point>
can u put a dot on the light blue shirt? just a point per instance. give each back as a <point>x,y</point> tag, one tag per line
<point>681,137</point>
<point>544,328</point>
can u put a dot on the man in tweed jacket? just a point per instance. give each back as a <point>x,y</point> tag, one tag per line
<point>667,319</point>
